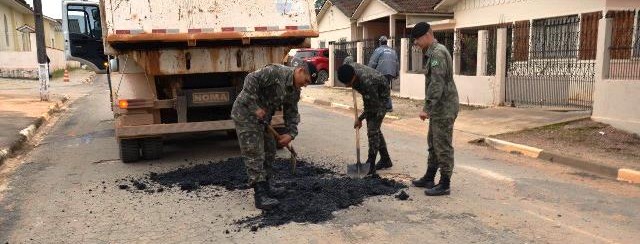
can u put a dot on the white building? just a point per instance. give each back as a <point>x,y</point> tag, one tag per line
<point>571,53</point>
<point>348,20</point>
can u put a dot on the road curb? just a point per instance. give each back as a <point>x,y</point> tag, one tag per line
<point>620,174</point>
<point>27,133</point>
<point>338,106</point>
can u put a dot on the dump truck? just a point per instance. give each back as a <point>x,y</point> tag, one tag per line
<point>176,66</point>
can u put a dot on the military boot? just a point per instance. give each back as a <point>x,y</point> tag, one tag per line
<point>427,181</point>
<point>385,160</point>
<point>371,162</point>
<point>275,191</point>
<point>261,196</point>
<point>442,188</point>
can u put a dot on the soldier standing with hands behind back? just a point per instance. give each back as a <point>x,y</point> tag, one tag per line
<point>440,108</point>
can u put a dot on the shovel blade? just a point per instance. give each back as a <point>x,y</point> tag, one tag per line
<point>358,170</point>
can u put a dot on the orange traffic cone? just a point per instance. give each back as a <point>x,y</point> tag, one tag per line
<point>66,75</point>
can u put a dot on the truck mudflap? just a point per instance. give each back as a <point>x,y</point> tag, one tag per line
<point>141,131</point>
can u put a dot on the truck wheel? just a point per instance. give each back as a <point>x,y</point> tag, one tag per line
<point>129,150</point>
<point>323,76</point>
<point>152,148</point>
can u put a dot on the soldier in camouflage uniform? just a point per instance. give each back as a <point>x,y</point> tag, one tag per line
<point>441,108</point>
<point>265,91</point>
<point>375,95</point>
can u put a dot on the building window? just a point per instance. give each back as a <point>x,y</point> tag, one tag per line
<point>6,30</point>
<point>468,48</point>
<point>589,35</point>
<point>26,42</point>
<point>622,36</point>
<point>555,37</point>
<point>521,40</point>
<point>636,39</point>
<point>322,44</point>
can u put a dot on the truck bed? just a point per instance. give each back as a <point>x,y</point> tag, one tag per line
<point>130,21</point>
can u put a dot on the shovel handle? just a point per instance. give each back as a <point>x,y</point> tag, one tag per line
<point>275,134</point>
<point>355,114</point>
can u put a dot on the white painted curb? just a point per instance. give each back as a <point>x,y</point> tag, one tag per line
<point>512,147</point>
<point>629,175</point>
<point>30,131</point>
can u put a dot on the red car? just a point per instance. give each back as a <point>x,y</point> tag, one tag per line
<point>317,56</point>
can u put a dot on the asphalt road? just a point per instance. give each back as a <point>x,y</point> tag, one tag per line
<point>64,190</point>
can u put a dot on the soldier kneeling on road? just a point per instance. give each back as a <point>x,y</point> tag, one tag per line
<point>264,91</point>
<point>375,94</point>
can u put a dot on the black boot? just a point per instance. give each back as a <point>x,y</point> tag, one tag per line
<point>261,196</point>
<point>385,160</point>
<point>384,163</point>
<point>275,191</point>
<point>371,162</point>
<point>442,188</point>
<point>427,181</point>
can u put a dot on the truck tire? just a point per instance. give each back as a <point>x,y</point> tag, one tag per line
<point>129,150</point>
<point>152,148</point>
<point>323,76</point>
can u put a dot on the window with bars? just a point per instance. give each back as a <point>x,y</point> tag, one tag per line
<point>622,36</point>
<point>624,50</point>
<point>555,37</point>
<point>468,48</point>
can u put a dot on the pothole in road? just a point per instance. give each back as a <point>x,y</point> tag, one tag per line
<point>313,193</point>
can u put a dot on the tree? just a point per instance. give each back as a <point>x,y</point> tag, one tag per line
<point>319,4</point>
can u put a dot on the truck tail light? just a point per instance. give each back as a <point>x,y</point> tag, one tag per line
<point>123,104</point>
<point>135,103</point>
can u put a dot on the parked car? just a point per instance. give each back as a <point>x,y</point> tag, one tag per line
<point>317,56</point>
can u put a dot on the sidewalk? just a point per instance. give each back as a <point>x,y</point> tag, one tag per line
<point>22,112</point>
<point>481,122</point>
<point>529,126</point>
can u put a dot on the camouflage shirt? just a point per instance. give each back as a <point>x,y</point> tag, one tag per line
<point>441,95</point>
<point>269,88</point>
<point>373,87</point>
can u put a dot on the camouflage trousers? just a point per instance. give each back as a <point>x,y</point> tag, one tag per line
<point>258,148</point>
<point>440,140</point>
<point>374,134</point>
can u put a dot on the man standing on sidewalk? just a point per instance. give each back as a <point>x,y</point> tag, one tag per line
<point>371,84</point>
<point>385,60</point>
<point>265,91</point>
<point>440,108</point>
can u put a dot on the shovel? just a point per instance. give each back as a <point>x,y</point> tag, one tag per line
<point>294,155</point>
<point>358,170</point>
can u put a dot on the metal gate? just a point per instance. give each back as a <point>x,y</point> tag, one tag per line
<point>341,51</point>
<point>551,62</point>
<point>368,47</point>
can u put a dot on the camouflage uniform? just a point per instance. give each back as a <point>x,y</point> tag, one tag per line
<point>375,95</point>
<point>269,88</point>
<point>442,105</point>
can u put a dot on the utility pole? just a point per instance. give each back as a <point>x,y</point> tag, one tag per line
<point>43,67</point>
